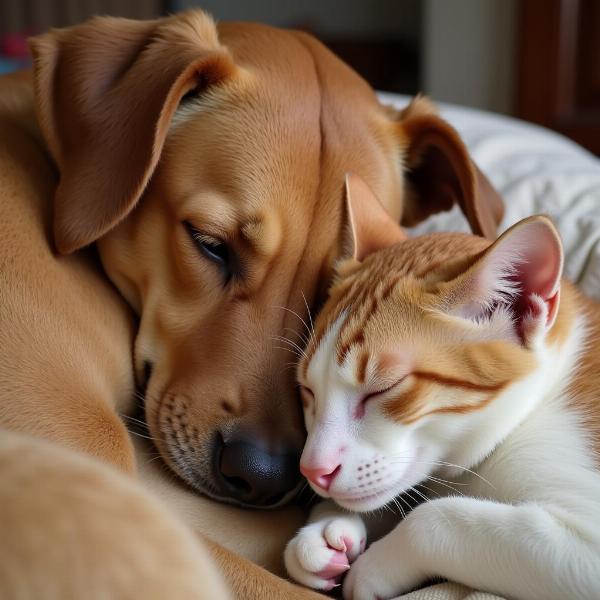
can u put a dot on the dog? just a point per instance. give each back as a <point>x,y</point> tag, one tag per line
<point>171,215</point>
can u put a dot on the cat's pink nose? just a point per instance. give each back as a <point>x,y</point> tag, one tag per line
<point>321,476</point>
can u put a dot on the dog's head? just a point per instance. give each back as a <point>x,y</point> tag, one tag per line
<point>208,164</point>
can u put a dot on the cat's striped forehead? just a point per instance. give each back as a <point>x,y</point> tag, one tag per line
<point>362,289</point>
<point>390,304</point>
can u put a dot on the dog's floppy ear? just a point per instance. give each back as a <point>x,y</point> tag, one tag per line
<point>440,173</point>
<point>106,91</point>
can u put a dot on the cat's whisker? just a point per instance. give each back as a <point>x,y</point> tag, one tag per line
<point>140,399</point>
<point>449,464</point>
<point>291,343</point>
<point>446,485</point>
<point>422,485</point>
<point>312,325</point>
<point>397,506</point>
<point>436,478</point>
<point>419,494</point>
<point>288,349</point>
<point>401,499</point>
<point>426,499</point>
<point>407,460</point>
<point>300,334</point>
<point>296,315</point>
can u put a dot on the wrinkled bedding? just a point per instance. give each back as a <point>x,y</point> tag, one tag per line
<point>535,171</point>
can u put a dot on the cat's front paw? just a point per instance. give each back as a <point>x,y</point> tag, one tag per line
<point>381,573</point>
<point>322,552</point>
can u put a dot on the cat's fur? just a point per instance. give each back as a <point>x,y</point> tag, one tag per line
<point>445,361</point>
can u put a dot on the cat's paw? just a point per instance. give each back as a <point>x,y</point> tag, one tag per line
<point>382,572</point>
<point>322,552</point>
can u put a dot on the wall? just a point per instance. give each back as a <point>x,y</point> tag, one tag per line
<point>381,18</point>
<point>468,52</point>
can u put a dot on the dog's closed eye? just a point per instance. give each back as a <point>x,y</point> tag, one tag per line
<point>213,249</point>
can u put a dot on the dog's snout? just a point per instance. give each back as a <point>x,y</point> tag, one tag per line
<point>252,475</point>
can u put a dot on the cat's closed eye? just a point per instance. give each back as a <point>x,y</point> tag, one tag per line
<point>378,393</point>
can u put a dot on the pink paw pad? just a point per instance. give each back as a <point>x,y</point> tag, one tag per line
<point>337,565</point>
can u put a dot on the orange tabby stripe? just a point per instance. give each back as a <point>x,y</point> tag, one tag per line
<point>410,406</point>
<point>462,383</point>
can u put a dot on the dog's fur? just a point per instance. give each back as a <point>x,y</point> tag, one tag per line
<point>63,513</point>
<point>244,131</point>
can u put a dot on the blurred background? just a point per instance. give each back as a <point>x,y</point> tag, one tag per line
<point>534,59</point>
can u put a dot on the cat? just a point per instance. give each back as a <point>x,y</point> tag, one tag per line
<point>472,369</point>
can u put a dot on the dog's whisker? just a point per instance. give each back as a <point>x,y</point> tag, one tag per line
<point>134,420</point>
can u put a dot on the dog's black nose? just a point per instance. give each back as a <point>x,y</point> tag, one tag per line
<point>251,475</point>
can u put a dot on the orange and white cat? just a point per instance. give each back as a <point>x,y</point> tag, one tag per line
<point>473,369</point>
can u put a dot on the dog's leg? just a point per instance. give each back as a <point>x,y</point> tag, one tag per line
<point>73,528</point>
<point>99,432</point>
<point>78,421</point>
<point>248,581</point>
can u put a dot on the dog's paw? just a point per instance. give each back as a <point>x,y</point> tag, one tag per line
<point>322,552</point>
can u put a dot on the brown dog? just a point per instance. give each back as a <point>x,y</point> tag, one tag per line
<point>207,164</point>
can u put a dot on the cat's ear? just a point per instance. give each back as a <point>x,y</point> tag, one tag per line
<point>369,227</point>
<point>440,173</point>
<point>519,275</point>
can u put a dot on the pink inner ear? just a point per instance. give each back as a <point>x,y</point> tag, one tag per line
<point>516,278</point>
<point>540,268</point>
<point>533,253</point>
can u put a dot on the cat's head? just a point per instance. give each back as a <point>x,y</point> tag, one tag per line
<point>418,339</point>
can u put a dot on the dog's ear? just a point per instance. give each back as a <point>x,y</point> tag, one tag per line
<point>440,173</point>
<point>106,91</point>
